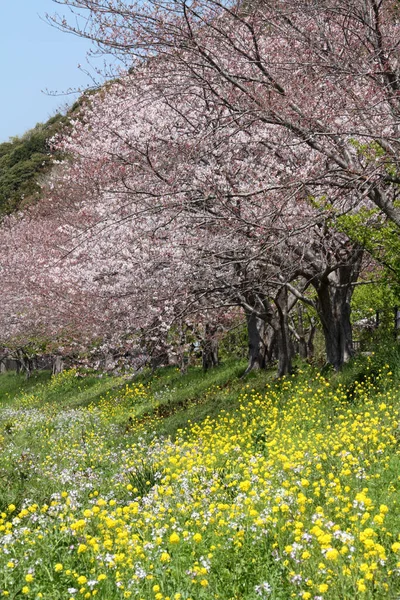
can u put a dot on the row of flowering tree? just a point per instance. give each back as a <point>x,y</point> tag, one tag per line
<point>153,219</point>
<point>209,177</point>
<point>232,223</point>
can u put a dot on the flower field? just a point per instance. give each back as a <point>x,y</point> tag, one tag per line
<point>293,492</point>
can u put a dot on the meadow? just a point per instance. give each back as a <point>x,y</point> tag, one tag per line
<point>194,487</point>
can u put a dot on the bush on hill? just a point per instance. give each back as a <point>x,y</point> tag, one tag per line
<point>22,161</point>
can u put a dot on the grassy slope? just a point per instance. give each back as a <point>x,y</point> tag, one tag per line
<point>269,454</point>
<point>169,402</point>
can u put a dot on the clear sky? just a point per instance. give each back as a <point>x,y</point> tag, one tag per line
<point>35,57</point>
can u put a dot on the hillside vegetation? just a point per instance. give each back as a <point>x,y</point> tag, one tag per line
<point>22,161</point>
<point>177,487</point>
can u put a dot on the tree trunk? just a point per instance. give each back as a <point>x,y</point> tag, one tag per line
<point>303,334</point>
<point>210,348</point>
<point>310,339</point>
<point>25,363</point>
<point>256,332</point>
<point>109,361</point>
<point>283,334</point>
<point>271,345</point>
<point>334,296</point>
<point>303,349</point>
<point>58,365</point>
<point>270,335</point>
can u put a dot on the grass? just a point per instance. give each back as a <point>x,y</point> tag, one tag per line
<point>13,384</point>
<point>178,487</point>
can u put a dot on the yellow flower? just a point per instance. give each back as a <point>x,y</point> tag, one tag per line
<point>25,590</point>
<point>378,519</point>
<point>174,538</point>
<point>78,524</point>
<point>58,567</point>
<point>165,557</point>
<point>29,578</point>
<point>197,537</point>
<point>11,509</point>
<point>396,547</point>
<point>361,586</point>
<point>245,485</point>
<point>332,554</point>
<point>323,588</point>
<point>82,580</point>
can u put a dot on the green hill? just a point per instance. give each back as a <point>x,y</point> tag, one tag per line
<point>22,161</point>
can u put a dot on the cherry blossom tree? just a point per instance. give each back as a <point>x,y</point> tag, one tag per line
<point>318,79</point>
<point>42,309</point>
<point>327,73</point>
<point>188,172</point>
<point>211,176</point>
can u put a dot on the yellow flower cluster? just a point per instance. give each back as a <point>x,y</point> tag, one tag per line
<point>294,495</point>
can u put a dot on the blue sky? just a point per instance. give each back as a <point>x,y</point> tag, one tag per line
<point>35,57</point>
